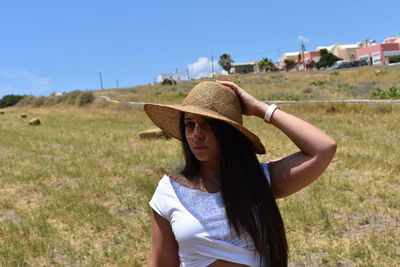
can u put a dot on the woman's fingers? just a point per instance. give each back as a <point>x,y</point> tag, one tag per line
<point>244,97</point>
<point>248,102</point>
<point>229,84</point>
<point>232,85</point>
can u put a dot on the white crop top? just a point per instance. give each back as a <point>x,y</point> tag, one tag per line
<point>198,221</point>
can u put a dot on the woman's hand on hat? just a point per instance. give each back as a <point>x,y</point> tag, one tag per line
<point>250,105</point>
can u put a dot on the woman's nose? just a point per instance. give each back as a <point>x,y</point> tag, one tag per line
<point>197,132</point>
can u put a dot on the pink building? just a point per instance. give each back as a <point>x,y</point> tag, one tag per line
<point>392,40</point>
<point>378,54</point>
<point>311,56</point>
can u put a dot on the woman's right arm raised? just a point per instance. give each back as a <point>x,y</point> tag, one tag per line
<point>164,250</point>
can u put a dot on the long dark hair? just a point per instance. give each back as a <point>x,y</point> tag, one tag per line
<point>248,198</point>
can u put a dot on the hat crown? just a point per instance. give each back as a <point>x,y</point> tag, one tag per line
<point>217,98</point>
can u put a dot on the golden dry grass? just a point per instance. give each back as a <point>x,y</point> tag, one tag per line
<point>75,189</point>
<point>353,83</point>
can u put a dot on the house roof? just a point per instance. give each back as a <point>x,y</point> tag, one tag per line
<point>288,54</point>
<point>329,48</point>
<point>347,46</point>
<point>392,40</point>
<point>245,63</point>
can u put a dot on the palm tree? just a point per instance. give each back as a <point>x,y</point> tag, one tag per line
<point>225,61</point>
<point>266,64</point>
<point>289,63</point>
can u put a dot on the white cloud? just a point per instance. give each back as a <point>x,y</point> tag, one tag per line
<point>21,82</point>
<point>302,38</point>
<point>202,68</point>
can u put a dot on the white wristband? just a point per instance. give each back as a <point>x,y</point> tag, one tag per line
<point>271,109</point>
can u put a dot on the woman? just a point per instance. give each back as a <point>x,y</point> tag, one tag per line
<point>220,210</point>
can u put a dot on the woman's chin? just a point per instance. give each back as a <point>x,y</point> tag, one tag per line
<point>204,158</point>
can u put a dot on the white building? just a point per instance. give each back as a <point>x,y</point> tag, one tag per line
<point>245,67</point>
<point>177,76</point>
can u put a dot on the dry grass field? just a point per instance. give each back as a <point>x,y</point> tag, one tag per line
<point>74,190</point>
<point>353,83</point>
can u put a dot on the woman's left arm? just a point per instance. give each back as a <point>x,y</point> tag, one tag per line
<point>296,171</point>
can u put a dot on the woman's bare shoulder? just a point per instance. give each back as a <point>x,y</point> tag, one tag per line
<point>181,179</point>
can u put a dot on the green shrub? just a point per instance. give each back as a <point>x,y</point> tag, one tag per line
<point>318,83</point>
<point>27,100</point>
<point>10,100</point>
<point>394,59</point>
<point>39,101</point>
<point>335,73</point>
<point>84,98</point>
<point>52,100</point>
<point>75,97</point>
<point>344,86</point>
<point>71,97</point>
<point>380,73</point>
<point>283,96</point>
<point>182,94</point>
<point>327,59</point>
<point>168,82</point>
<point>391,93</point>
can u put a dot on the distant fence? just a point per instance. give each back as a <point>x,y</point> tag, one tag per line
<point>281,102</point>
<point>135,104</point>
<point>349,101</point>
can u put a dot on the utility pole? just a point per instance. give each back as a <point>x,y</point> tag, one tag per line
<point>212,65</point>
<point>279,59</point>
<point>302,53</point>
<point>117,84</point>
<point>101,81</point>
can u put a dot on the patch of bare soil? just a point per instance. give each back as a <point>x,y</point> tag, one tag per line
<point>9,216</point>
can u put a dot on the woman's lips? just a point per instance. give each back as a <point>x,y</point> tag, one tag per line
<point>199,147</point>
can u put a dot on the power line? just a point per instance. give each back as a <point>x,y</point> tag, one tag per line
<point>267,51</point>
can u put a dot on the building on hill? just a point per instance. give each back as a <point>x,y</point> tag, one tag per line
<point>246,67</point>
<point>378,54</point>
<point>344,51</point>
<point>369,51</point>
<point>290,55</point>
<point>392,40</point>
<point>177,76</point>
<point>348,52</point>
<point>311,56</point>
<point>334,49</point>
<point>309,60</point>
<point>297,57</point>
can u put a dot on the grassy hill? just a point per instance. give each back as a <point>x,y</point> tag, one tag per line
<point>354,83</point>
<point>74,191</point>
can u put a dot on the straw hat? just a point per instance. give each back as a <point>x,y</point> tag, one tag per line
<point>209,99</point>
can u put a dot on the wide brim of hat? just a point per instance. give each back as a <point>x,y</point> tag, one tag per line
<point>166,117</point>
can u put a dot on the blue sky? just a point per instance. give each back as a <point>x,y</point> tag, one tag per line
<point>49,45</point>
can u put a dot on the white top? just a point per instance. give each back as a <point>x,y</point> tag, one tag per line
<point>198,221</point>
